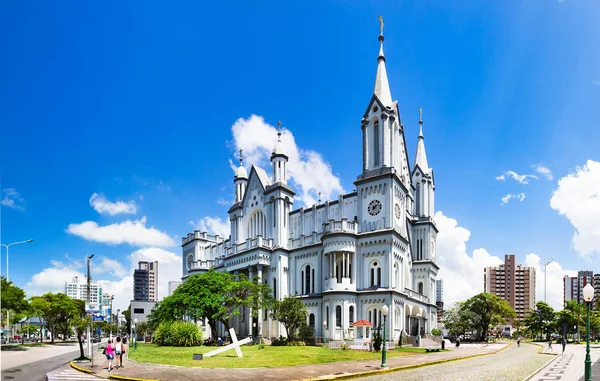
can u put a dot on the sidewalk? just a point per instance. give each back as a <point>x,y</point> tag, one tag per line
<point>567,367</point>
<point>137,370</point>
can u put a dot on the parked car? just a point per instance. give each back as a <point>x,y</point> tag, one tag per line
<point>96,339</point>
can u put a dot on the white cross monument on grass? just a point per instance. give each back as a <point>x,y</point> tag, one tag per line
<point>234,344</point>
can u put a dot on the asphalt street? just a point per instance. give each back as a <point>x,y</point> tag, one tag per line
<point>36,370</point>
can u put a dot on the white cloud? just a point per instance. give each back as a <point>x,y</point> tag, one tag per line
<point>510,196</point>
<point>555,280</point>
<point>307,169</point>
<point>213,225</point>
<point>578,199</point>
<point>222,201</point>
<point>103,206</point>
<point>12,199</point>
<point>462,273</point>
<point>111,266</point>
<point>543,171</point>
<point>134,233</point>
<point>522,179</point>
<point>53,279</point>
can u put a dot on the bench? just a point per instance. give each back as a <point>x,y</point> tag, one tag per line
<point>427,350</point>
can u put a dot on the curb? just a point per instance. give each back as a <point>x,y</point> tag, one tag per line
<point>81,369</point>
<point>111,377</point>
<point>399,368</point>
<point>540,368</point>
<point>541,350</point>
<point>123,378</point>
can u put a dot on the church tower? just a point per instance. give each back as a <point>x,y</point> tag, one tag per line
<point>423,232</point>
<point>385,181</point>
<point>240,181</point>
<point>279,194</point>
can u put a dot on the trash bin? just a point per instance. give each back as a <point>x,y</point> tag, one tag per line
<point>443,344</point>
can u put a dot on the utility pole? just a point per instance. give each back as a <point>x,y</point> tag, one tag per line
<point>546,278</point>
<point>90,344</point>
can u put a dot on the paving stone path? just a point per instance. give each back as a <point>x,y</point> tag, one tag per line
<point>512,364</point>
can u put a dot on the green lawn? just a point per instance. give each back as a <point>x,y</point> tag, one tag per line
<point>269,357</point>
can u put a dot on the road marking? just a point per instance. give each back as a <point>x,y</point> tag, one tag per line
<point>557,370</point>
<point>69,374</point>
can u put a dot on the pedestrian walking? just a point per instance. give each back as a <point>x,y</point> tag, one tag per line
<point>109,351</point>
<point>457,342</point>
<point>564,344</point>
<point>550,344</point>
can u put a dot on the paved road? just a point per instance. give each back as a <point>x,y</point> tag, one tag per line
<point>514,363</point>
<point>33,364</point>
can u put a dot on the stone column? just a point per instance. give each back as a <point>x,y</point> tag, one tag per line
<point>343,265</point>
<point>260,311</point>
<point>354,266</point>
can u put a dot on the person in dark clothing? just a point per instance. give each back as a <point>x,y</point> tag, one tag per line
<point>457,342</point>
<point>564,344</point>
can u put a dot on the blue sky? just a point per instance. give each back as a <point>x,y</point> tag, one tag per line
<point>136,101</point>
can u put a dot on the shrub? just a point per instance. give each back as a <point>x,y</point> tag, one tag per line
<point>178,334</point>
<point>186,334</point>
<point>305,332</point>
<point>378,340</point>
<point>163,334</point>
<point>436,332</point>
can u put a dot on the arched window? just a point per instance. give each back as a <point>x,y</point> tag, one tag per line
<point>307,279</point>
<point>275,287</point>
<point>376,143</point>
<point>313,281</point>
<point>257,224</point>
<point>373,316</point>
<point>327,316</point>
<point>351,315</point>
<point>375,271</point>
<point>311,321</point>
<point>420,287</point>
<point>302,281</point>
<point>396,276</point>
<point>338,316</point>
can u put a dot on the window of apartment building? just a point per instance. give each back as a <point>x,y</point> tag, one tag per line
<point>138,310</point>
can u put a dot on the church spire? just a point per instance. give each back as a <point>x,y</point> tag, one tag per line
<point>382,86</point>
<point>421,157</point>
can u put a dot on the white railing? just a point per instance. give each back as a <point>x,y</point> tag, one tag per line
<point>416,295</point>
<point>200,235</point>
<point>343,226</point>
<point>250,244</point>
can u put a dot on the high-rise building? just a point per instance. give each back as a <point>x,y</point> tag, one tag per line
<point>513,283</point>
<point>77,289</point>
<point>573,286</point>
<point>439,290</point>
<point>145,281</point>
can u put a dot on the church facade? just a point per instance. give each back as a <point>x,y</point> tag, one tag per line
<point>344,258</point>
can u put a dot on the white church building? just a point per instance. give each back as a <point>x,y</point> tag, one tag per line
<point>344,258</point>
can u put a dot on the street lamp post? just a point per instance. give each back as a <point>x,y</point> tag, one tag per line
<point>588,295</point>
<point>384,312</point>
<point>118,326</point>
<point>324,333</point>
<point>135,321</point>
<point>546,278</point>
<point>112,297</point>
<point>8,329</point>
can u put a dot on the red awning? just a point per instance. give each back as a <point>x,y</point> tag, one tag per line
<point>363,323</point>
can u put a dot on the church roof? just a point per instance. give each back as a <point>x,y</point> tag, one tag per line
<point>262,176</point>
<point>382,85</point>
<point>421,156</point>
<point>241,173</point>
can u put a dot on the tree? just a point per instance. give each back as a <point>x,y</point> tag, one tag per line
<point>80,323</point>
<point>578,310</point>
<point>484,310</point>
<point>142,328</point>
<point>291,312</point>
<point>518,324</point>
<point>541,320</point>
<point>12,297</point>
<point>456,320</point>
<point>214,295</point>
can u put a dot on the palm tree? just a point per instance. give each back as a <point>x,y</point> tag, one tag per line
<point>142,328</point>
<point>577,309</point>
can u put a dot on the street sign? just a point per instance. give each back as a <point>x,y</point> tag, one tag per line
<point>98,331</point>
<point>98,318</point>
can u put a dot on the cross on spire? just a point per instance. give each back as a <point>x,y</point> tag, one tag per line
<point>241,158</point>
<point>420,115</point>
<point>319,197</point>
<point>279,131</point>
<point>381,26</point>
